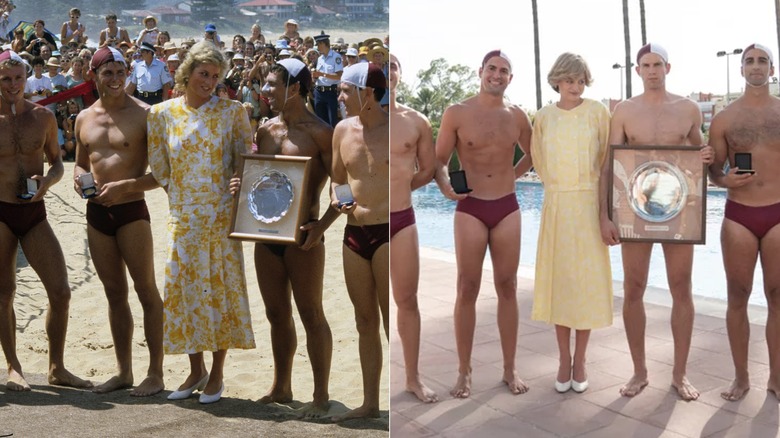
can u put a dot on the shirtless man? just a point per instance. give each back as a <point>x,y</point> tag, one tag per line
<point>298,132</point>
<point>413,164</point>
<point>484,130</point>
<point>111,142</point>
<point>750,124</point>
<point>361,159</point>
<point>655,117</point>
<point>29,133</point>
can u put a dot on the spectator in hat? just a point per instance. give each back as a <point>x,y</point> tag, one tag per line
<point>210,34</point>
<point>5,27</point>
<point>352,56</point>
<point>113,34</point>
<point>291,29</point>
<point>257,36</point>
<point>73,30</point>
<point>363,54</point>
<point>39,38</point>
<point>149,80</point>
<point>378,56</point>
<point>284,54</point>
<point>327,76</point>
<point>169,49</point>
<point>58,81</point>
<point>149,33</point>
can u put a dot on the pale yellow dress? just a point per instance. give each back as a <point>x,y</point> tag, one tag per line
<point>194,152</point>
<point>573,285</point>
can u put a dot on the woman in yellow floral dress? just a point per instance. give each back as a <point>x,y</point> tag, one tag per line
<point>573,281</point>
<point>195,142</point>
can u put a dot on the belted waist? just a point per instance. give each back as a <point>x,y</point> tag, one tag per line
<point>157,93</point>
<point>324,88</point>
<point>574,188</point>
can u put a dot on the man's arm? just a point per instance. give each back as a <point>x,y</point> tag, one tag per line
<point>131,84</point>
<point>426,153</point>
<point>695,137</point>
<point>526,162</point>
<point>324,139</point>
<point>720,149</point>
<point>51,149</point>
<point>617,136</point>
<point>83,164</point>
<point>445,145</point>
<point>339,175</point>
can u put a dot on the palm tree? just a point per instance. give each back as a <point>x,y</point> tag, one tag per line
<point>777,20</point>
<point>627,36</point>
<point>642,20</point>
<point>536,55</point>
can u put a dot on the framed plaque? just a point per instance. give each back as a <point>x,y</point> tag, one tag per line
<point>658,193</point>
<point>271,204</point>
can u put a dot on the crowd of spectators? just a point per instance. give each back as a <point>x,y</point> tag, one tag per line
<point>60,63</point>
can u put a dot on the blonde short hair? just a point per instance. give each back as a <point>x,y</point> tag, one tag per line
<point>204,52</point>
<point>568,65</point>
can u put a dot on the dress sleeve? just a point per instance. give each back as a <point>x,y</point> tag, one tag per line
<point>159,160</point>
<point>537,145</point>
<point>241,135</point>
<point>603,121</point>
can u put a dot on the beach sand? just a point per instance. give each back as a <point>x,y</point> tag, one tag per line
<point>89,350</point>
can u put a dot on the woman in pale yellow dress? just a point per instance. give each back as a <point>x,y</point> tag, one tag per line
<point>573,282</point>
<point>195,146</point>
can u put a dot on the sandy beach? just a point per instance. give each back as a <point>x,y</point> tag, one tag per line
<point>248,373</point>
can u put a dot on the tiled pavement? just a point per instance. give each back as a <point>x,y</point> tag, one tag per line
<point>493,412</point>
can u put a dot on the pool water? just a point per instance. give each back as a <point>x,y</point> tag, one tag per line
<point>434,214</point>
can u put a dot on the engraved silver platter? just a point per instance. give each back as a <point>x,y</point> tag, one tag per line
<point>657,191</point>
<point>271,196</point>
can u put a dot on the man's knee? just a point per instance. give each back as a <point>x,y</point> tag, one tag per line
<point>506,288</point>
<point>634,287</point>
<point>468,288</point>
<point>279,315</point>
<point>59,296</point>
<point>148,296</point>
<point>367,322</point>
<point>406,301</point>
<point>773,299</point>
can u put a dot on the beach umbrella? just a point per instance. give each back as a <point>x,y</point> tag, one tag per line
<point>29,28</point>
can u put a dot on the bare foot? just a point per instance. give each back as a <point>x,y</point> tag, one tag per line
<point>16,381</point>
<point>634,386</point>
<point>63,377</point>
<point>462,387</point>
<point>150,386</point>
<point>686,390</point>
<point>312,411</point>
<point>422,392</point>
<point>773,386</point>
<point>515,384</point>
<point>361,412</point>
<point>736,391</point>
<point>277,396</point>
<point>114,383</point>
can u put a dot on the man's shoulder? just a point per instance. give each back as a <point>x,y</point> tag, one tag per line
<point>411,114</point>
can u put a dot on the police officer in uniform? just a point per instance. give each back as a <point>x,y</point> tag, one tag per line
<point>328,76</point>
<point>150,79</point>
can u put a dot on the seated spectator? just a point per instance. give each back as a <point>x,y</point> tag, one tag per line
<point>113,35</point>
<point>291,29</point>
<point>18,43</point>
<point>73,30</point>
<point>38,86</point>
<point>39,38</point>
<point>257,36</point>
<point>149,33</point>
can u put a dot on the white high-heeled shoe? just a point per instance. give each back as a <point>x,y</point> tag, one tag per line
<point>186,393</point>
<point>579,386</point>
<point>206,399</point>
<point>562,386</point>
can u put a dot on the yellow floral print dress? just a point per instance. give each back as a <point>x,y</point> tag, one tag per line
<point>573,281</point>
<point>193,153</point>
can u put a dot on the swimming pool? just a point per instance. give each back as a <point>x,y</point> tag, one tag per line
<point>434,214</point>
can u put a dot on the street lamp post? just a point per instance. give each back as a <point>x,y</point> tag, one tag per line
<point>728,70</point>
<point>617,66</point>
